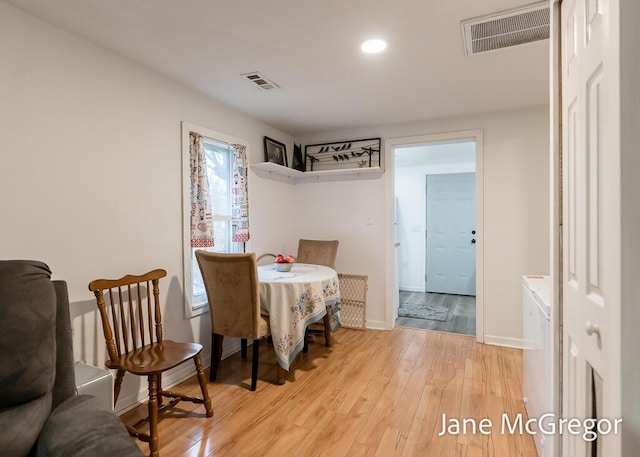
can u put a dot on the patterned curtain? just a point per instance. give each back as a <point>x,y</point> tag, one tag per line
<point>240,196</point>
<point>201,220</point>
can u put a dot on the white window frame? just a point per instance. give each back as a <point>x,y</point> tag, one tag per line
<point>193,308</point>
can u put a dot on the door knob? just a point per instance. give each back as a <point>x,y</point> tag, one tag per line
<point>473,241</point>
<point>473,232</point>
<point>592,328</point>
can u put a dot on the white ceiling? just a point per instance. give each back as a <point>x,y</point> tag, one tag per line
<point>311,49</point>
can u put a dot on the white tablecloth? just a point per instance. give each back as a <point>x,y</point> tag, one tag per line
<point>293,300</point>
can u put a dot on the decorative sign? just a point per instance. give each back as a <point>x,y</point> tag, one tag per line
<point>343,155</point>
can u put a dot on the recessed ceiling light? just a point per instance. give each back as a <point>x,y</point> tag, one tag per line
<point>373,46</point>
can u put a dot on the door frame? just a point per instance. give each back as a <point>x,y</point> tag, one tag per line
<point>391,279</point>
<point>555,212</point>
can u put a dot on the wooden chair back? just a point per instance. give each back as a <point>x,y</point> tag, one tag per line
<point>266,258</point>
<point>231,282</point>
<point>130,315</point>
<point>318,252</point>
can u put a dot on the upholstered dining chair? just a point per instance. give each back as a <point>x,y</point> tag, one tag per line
<point>132,326</point>
<point>319,252</point>
<point>231,282</point>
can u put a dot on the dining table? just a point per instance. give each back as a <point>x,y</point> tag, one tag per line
<point>295,299</point>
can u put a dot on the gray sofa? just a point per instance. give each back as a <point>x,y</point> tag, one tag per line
<point>40,411</point>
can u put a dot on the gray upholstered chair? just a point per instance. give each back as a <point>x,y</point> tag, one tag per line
<point>231,281</point>
<point>319,252</point>
<point>40,411</point>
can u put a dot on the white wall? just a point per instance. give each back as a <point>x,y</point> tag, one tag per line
<point>516,215</point>
<point>90,172</point>
<point>410,193</point>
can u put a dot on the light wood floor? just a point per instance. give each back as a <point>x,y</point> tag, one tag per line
<point>373,394</point>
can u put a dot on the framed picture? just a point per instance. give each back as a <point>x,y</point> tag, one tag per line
<point>275,152</point>
<point>343,155</point>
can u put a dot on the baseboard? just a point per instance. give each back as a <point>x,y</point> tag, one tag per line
<point>174,377</point>
<point>376,325</point>
<point>516,343</point>
<point>411,289</point>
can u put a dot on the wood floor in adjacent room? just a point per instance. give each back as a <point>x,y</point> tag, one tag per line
<point>373,394</point>
<point>461,317</point>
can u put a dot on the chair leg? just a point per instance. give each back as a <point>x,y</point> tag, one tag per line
<point>159,390</point>
<point>202,380</point>
<point>153,416</point>
<point>305,347</point>
<point>216,355</point>
<point>254,364</point>
<point>243,347</point>
<point>282,375</point>
<point>327,330</point>
<point>117,385</point>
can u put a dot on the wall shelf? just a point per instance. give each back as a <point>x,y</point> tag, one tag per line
<point>273,170</point>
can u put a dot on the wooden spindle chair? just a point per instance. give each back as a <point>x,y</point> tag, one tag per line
<point>132,326</point>
<point>266,258</point>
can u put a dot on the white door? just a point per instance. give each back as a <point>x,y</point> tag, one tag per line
<point>591,221</point>
<point>451,216</point>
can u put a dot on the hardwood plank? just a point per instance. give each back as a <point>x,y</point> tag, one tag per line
<point>391,443</point>
<point>333,436</point>
<point>360,450</point>
<point>275,440</point>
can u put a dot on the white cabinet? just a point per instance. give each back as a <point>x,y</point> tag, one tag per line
<point>538,371</point>
<point>95,381</point>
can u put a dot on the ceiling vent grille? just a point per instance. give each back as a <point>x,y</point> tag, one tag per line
<point>260,81</point>
<point>508,28</point>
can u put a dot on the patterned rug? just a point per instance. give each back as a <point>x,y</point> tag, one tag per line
<point>423,311</point>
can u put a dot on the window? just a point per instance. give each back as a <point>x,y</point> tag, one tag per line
<point>219,156</point>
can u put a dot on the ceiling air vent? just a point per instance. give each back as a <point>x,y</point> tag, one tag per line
<point>507,28</point>
<point>260,81</point>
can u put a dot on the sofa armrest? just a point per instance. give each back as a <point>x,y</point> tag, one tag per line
<point>79,427</point>
<point>65,385</point>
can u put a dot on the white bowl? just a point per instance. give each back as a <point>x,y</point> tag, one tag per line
<point>283,266</point>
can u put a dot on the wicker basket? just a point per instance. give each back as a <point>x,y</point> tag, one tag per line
<point>353,297</point>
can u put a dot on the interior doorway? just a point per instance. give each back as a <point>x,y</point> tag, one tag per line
<point>437,254</point>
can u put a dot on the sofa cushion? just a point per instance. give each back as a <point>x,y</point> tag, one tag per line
<point>80,427</point>
<point>27,332</point>
<point>20,426</point>
<point>65,384</point>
